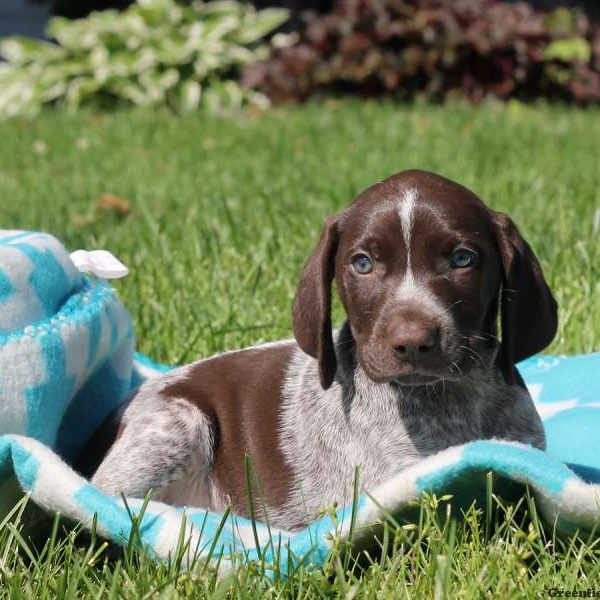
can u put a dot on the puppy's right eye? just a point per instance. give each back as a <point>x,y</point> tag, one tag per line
<point>462,258</point>
<point>362,264</point>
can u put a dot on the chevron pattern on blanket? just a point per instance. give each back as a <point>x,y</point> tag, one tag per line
<point>36,277</point>
<point>63,337</point>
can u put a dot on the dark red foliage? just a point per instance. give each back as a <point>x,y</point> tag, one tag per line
<point>438,48</point>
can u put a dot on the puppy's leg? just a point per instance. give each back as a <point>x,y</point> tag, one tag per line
<point>163,438</point>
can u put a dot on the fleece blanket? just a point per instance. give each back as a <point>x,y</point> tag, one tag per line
<point>67,358</point>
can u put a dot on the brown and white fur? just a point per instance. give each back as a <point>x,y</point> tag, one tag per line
<point>416,367</point>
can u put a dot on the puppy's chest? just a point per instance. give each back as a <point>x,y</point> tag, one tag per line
<point>325,434</point>
<point>395,429</point>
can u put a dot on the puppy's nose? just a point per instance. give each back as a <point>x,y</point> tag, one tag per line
<point>415,341</point>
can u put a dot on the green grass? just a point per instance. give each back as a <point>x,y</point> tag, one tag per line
<point>225,213</point>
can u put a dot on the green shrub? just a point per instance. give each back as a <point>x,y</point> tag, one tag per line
<point>155,53</point>
<point>437,49</point>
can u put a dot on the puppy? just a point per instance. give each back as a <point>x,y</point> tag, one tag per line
<point>423,269</point>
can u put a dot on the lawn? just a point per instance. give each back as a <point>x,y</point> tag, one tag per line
<point>223,214</point>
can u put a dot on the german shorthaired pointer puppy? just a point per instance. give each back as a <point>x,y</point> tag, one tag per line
<point>422,268</point>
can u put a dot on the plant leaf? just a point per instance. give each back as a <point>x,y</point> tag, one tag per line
<point>20,50</point>
<point>568,50</point>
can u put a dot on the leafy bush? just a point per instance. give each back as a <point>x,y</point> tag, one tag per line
<point>154,53</point>
<point>436,48</point>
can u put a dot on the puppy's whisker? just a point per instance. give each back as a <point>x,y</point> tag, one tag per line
<point>443,389</point>
<point>457,366</point>
<point>485,338</point>
<point>474,354</point>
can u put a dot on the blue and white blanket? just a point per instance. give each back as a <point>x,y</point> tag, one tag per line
<point>67,359</point>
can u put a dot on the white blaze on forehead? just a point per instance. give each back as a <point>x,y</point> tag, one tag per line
<point>406,212</point>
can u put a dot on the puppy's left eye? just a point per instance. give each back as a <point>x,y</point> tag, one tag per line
<point>462,258</point>
<point>362,264</point>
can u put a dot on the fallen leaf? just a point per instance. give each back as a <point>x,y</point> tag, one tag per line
<point>103,205</point>
<point>110,203</point>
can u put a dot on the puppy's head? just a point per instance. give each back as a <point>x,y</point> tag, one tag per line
<point>422,267</point>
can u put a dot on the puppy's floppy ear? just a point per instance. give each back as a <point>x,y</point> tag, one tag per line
<point>311,312</point>
<point>529,314</point>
